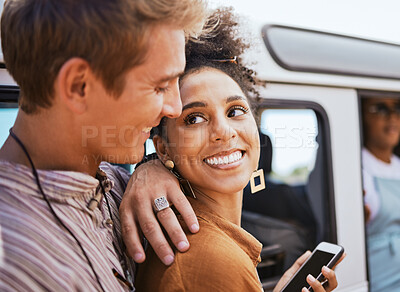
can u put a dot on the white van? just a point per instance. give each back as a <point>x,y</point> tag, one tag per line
<point>310,125</point>
<point>311,110</point>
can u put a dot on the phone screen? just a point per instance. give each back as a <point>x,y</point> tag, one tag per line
<point>313,267</point>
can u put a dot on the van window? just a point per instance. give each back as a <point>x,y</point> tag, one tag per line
<point>296,209</point>
<point>8,109</point>
<point>293,135</point>
<point>7,119</point>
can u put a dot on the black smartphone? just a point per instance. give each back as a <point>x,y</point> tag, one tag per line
<point>325,254</point>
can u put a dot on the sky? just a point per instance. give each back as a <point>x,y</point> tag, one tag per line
<point>378,20</point>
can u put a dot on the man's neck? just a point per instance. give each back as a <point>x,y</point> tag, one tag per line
<point>49,144</point>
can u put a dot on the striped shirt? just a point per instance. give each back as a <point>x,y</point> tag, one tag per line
<point>37,253</point>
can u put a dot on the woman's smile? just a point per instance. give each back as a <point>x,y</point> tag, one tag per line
<point>226,159</point>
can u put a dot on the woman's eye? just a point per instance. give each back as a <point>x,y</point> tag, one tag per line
<point>237,111</point>
<point>194,119</point>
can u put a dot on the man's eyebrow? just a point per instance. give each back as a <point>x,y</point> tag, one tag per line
<point>235,97</point>
<point>194,104</point>
<point>169,77</point>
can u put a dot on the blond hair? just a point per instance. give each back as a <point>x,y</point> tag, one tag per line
<point>38,37</point>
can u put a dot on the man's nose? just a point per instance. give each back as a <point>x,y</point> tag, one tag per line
<point>172,107</point>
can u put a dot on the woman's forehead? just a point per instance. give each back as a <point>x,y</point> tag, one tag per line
<point>208,85</point>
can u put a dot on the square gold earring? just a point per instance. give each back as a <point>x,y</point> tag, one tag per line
<point>257,175</point>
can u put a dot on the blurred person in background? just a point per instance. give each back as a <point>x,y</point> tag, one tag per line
<point>381,176</point>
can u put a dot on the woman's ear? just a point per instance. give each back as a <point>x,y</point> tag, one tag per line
<point>71,84</point>
<point>161,148</point>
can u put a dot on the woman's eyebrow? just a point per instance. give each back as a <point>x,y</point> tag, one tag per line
<point>204,104</point>
<point>234,98</point>
<point>194,104</point>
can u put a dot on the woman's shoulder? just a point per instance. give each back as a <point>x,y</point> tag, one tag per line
<point>216,262</point>
<point>220,247</point>
<point>211,239</point>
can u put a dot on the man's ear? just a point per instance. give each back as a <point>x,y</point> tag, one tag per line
<point>161,148</point>
<point>71,84</point>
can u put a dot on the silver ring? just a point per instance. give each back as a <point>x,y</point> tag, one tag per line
<point>161,203</point>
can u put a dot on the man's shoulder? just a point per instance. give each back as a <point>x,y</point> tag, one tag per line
<point>14,176</point>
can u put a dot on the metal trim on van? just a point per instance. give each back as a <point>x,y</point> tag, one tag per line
<point>305,50</point>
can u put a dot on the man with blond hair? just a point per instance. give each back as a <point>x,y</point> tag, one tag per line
<point>95,76</point>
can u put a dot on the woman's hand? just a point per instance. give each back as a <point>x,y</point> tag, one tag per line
<point>329,274</point>
<point>329,285</point>
<point>150,181</point>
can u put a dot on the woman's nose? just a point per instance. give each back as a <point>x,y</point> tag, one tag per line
<point>222,130</point>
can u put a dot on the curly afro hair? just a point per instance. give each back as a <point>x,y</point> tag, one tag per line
<point>222,49</point>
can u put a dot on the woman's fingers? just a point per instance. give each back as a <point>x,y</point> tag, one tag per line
<point>291,271</point>
<point>298,263</point>
<point>329,284</point>
<point>317,286</point>
<point>330,276</point>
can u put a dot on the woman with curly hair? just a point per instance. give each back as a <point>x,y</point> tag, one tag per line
<point>214,145</point>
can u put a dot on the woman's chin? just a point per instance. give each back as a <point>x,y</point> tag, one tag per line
<point>227,186</point>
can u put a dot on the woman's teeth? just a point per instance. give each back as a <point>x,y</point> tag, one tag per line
<point>233,157</point>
